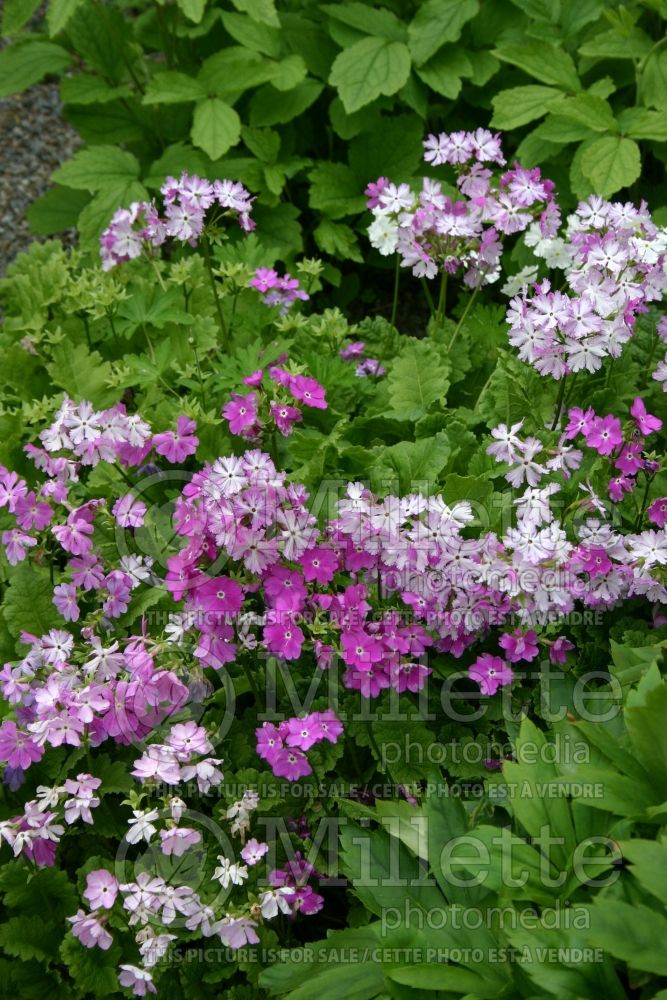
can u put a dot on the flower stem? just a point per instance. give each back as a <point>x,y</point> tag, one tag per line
<point>559,402</point>
<point>460,323</point>
<point>221,319</point>
<point>440,314</point>
<point>429,297</point>
<point>397,278</point>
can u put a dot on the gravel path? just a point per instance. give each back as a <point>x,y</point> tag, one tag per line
<point>35,139</point>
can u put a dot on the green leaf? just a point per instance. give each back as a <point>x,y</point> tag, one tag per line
<point>370,20</point>
<point>262,142</point>
<point>97,167</point>
<point>611,163</point>
<point>59,13</point>
<point>417,378</point>
<point>446,977</point>
<point>586,109</point>
<point>618,45</point>
<point>648,864</point>
<point>253,35</point>
<point>520,105</point>
<point>540,10</point>
<point>86,88</point>
<point>635,934</point>
<point>30,937</point>
<point>288,73</point>
<point>389,146</point>
<point>27,604</point>
<point>640,123</point>
<point>370,67</point>
<point>335,190</point>
<point>25,64</point>
<point>16,13</point>
<point>193,9</point>
<point>234,70</point>
<point>644,716</point>
<point>337,239</point>
<point>56,210</point>
<point>216,127</point>
<point>82,374</point>
<point>543,61</point>
<point>416,464</point>
<point>94,971</point>
<point>443,72</point>
<point>273,107</point>
<point>262,11</point>
<point>47,891</point>
<point>437,22</point>
<point>653,80</point>
<point>172,87</point>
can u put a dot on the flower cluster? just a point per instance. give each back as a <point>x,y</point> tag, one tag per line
<point>434,233</point>
<point>613,260</point>
<point>140,228</point>
<point>284,746</point>
<point>277,291</point>
<point>366,366</point>
<point>269,406</point>
<point>37,832</point>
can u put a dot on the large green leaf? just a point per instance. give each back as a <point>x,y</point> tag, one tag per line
<point>97,167</point>
<point>636,934</point>
<point>23,65</point>
<point>172,87</point>
<point>520,105</point>
<point>335,190</point>
<point>437,22</point>
<point>370,67</point>
<point>371,20</point>
<point>60,12</point>
<point>27,604</point>
<point>611,163</point>
<point>545,62</point>
<point>15,14</point>
<point>417,378</point>
<point>216,127</point>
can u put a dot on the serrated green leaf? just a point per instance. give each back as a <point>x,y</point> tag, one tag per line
<point>335,190</point>
<point>337,239</point>
<point>437,22</point>
<point>611,163</point>
<point>172,87</point>
<point>640,123</point>
<point>30,937</point>
<point>82,374</point>
<point>443,72</point>
<point>216,127</point>
<point>653,80</point>
<point>193,9</point>
<point>25,64</point>
<point>417,378</point>
<point>545,62</point>
<point>520,105</point>
<point>94,971</point>
<point>370,67</point>
<point>59,13</point>
<point>618,45</point>
<point>370,20</point>
<point>97,167</point>
<point>586,109</point>
<point>254,35</point>
<point>273,107</point>
<point>16,13</point>
<point>56,210</point>
<point>635,934</point>
<point>262,11</point>
<point>27,604</point>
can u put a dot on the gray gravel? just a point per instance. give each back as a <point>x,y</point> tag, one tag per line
<point>34,140</point>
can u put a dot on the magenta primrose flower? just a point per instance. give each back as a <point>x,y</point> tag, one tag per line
<point>490,672</point>
<point>519,645</point>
